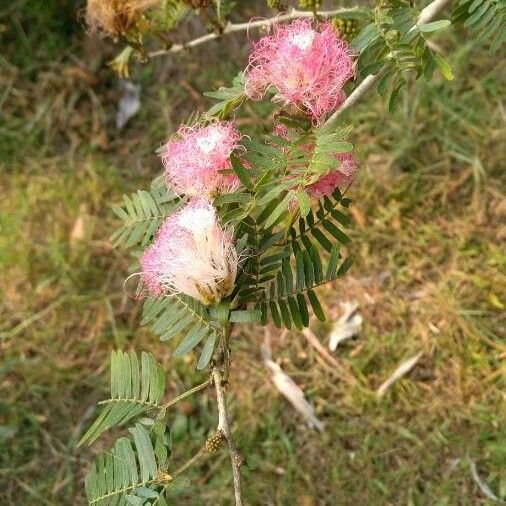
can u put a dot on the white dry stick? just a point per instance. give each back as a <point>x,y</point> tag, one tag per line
<point>481,484</point>
<point>78,232</point>
<point>347,326</point>
<point>401,371</point>
<point>294,394</point>
<point>318,346</point>
<point>288,388</point>
<point>338,368</point>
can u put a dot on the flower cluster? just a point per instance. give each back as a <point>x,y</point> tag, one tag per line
<point>194,161</point>
<point>192,254</point>
<point>308,67</point>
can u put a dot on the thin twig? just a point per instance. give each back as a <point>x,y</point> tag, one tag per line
<point>186,394</point>
<point>481,484</point>
<point>251,25</point>
<point>224,426</point>
<point>190,462</point>
<point>427,14</point>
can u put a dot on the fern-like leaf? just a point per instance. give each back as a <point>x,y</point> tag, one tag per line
<point>127,473</point>
<point>179,314</point>
<point>135,389</point>
<point>142,213</point>
<point>228,98</point>
<point>486,18</point>
<point>292,290</point>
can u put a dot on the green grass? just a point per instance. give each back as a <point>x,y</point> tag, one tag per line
<point>428,230</point>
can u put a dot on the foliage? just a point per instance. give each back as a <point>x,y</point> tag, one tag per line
<point>182,315</point>
<point>134,470</point>
<point>291,245</point>
<point>395,44</point>
<point>135,389</point>
<point>142,214</point>
<point>417,212</point>
<point>129,472</point>
<point>485,17</point>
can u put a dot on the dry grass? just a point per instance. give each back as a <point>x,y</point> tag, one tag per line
<point>429,233</point>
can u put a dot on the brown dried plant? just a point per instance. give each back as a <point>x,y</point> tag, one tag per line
<point>116,18</point>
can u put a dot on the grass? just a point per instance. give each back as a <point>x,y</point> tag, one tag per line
<point>428,231</point>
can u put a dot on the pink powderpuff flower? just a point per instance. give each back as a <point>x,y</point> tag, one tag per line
<point>195,159</point>
<point>343,176</point>
<point>191,254</point>
<point>307,66</point>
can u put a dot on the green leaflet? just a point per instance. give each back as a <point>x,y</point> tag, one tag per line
<point>176,314</point>
<point>126,472</point>
<point>228,98</point>
<point>485,18</point>
<point>135,389</point>
<point>142,213</point>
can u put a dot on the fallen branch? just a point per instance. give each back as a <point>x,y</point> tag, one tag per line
<point>224,427</point>
<point>251,25</point>
<point>347,326</point>
<point>485,489</point>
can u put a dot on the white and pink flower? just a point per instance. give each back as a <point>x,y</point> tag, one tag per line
<point>191,254</point>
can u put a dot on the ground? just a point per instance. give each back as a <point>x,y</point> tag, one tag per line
<point>428,231</point>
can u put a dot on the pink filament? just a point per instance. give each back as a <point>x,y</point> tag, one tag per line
<point>307,66</point>
<point>194,161</point>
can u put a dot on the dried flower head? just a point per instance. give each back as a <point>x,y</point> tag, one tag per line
<point>307,66</point>
<point>116,17</point>
<point>195,159</point>
<point>343,176</point>
<point>192,254</point>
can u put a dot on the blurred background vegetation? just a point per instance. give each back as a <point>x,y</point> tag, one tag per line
<point>429,230</point>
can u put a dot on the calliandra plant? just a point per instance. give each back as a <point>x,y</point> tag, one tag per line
<point>244,229</point>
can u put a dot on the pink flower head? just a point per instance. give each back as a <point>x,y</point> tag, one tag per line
<point>192,254</point>
<point>307,66</point>
<point>194,160</point>
<point>343,176</point>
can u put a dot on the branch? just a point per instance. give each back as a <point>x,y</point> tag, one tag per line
<point>427,14</point>
<point>239,27</point>
<point>224,427</point>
